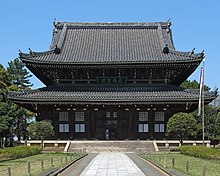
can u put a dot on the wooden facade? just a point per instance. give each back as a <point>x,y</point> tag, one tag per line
<point>119,79</point>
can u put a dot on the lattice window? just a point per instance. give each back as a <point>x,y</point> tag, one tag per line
<point>108,114</point>
<point>159,128</point>
<point>143,128</point>
<point>80,128</point>
<point>63,116</point>
<point>159,116</point>
<point>64,128</point>
<point>79,116</point>
<point>143,116</point>
<point>115,114</point>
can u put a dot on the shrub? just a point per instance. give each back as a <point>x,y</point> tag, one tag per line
<point>20,151</point>
<point>200,152</point>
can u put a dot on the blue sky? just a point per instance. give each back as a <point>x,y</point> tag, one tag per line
<point>195,24</point>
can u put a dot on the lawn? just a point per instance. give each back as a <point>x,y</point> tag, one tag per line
<point>20,166</point>
<point>195,164</point>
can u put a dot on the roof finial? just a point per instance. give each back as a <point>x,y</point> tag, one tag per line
<point>166,49</point>
<point>55,23</point>
<point>192,52</point>
<point>202,54</point>
<point>168,22</point>
<point>56,50</point>
<point>20,53</point>
<point>31,52</point>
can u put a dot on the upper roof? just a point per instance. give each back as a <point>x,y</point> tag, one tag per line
<point>111,43</point>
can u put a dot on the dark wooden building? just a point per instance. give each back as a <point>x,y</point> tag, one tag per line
<point>124,77</point>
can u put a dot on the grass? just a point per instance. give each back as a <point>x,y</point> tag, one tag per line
<point>19,166</point>
<point>195,164</point>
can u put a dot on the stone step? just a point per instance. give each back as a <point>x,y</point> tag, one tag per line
<point>112,146</point>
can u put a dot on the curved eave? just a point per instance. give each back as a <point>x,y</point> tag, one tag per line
<point>27,58</point>
<point>29,104</point>
<point>208,98</point>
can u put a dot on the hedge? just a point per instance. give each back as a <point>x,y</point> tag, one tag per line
<point>20,151</point>
<point>200,152</point>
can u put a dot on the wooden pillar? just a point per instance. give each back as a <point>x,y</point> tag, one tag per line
<point>130,124</point>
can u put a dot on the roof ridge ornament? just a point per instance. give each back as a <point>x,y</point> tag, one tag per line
<point>166,50</point>
<point>168,22</point>
<point>192,52</point>
<point>57,50</point>
<point>168,25</point>
<point>55,23</point>
<point>203,55</point>
<point>31,52</point>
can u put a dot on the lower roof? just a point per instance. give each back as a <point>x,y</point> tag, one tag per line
<point>72,94</point>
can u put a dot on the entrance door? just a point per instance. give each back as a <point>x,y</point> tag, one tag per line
<point>112,124</point>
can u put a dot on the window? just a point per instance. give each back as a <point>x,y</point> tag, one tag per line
<point>159,128</point>
<point>115,114</point>
<point>79,116</point>
<point>80,128</point>
<point>108,114</point>
<point>63,128</point>
<point>159,116</point>
<point>143,116</point>
<point>143,128</point>
<point>63,116</point>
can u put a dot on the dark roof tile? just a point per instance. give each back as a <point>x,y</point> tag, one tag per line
<point>111,43</point>
<point>74,94</point>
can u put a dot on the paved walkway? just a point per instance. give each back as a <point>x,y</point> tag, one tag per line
<point>112,164</point>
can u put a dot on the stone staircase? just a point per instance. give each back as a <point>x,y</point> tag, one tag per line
<point>135,146</point>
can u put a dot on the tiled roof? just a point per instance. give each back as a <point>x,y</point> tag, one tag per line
<point>113,43</point>
<point>150,93</point>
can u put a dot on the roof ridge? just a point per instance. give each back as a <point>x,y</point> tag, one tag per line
<point>112,24</point>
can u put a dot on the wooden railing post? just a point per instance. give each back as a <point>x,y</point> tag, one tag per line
<point>66,159</point>
<point>9,171</point>
<point>165,163</point>
<point>187,167</point>
<point>42,165</point>
<point>204,169</point>
<point>71,157</point>
<point>29,168</point>
<point>173,163</point>
<point>51,161</point>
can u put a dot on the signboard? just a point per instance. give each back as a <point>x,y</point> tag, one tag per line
<point>112,80</point>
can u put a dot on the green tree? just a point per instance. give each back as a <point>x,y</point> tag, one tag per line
<point>18,74</point>
<point>212,122</point>
<point>5,108</point>
<point>4,79</point>
<point>181,125</point>
<point>40,130</point>
<point>187,84</point>
<point>19,78</point>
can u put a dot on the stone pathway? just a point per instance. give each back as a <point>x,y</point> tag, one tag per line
<point>112,164</point>
<point>106,164</point>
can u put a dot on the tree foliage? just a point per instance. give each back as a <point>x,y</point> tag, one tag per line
<point>4,78</point>
<point>187,84</point>
<point>40,130</point>
<point>18,74</point>
<point>181,125</point>
<point>212,122</point>
<point>12,117</point>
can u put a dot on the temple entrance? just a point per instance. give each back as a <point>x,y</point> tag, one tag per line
<point>115,121</point>
<point>111,126</point>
